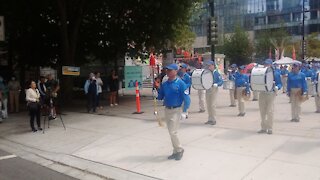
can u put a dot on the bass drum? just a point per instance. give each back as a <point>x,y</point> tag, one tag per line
<point>202,79</point>
<point>261,79</point>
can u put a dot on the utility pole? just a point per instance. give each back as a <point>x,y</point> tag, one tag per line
<point>211,9</point>
<point>303,46</point>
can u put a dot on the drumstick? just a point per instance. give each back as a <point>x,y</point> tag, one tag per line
<point>155,104</point>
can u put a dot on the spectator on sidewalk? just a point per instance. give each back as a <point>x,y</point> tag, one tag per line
<point>3,99</point>
<point>114,87</point>
<point>41,86</point>
<point>99,84</point>
<point>52,87</point>
<point>91,91</point>
<point>33,104</point>
<point>14,92</point>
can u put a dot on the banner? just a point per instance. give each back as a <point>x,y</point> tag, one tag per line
<point>132,74</point>
<point>70,70</point>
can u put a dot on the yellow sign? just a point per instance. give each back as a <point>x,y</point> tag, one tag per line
<point>70,70</point>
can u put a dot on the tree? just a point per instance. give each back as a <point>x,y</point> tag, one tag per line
<point>237,47</point>
<point>274,39</point>
<point>313,45</point>
<point>73,32</point>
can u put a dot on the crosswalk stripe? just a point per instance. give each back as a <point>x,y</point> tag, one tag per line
<point>7,157</point>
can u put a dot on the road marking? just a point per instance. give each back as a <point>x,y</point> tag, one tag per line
<point>7,157</point>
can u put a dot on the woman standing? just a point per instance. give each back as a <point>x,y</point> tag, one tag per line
<point>33,103</point>
<point>114,86</point>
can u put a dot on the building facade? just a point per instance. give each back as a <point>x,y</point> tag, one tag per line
<point>259,15</point>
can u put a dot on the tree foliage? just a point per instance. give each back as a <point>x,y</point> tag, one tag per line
<point>237,47</point>
<point>272,39</point>
<point>313,45</point>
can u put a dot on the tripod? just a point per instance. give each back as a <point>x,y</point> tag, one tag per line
<point>48,113</point>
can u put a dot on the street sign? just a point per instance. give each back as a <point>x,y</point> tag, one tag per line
<point>2,37</point>
<point>70,70</point>
<point>132,74</point>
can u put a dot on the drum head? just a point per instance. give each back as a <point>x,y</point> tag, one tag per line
<point>202,79</point>
<point>207,79</point>
<point>269,79</point>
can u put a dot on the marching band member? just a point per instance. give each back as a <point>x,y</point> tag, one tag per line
<point>232,78</point>
<point>242,84</point>
<point>297,89</point>
<point>284,78</point>
<point>174,92</point>
<point>316,82</point>
<point>266,102</point>
<point>185,77</point>
<point>211,94</point>
<point>309,76</point>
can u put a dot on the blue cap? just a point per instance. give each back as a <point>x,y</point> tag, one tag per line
<point>172,67</point>
<point>233,65</point>
<point>296,64</point>
<point>183,65</point>
<point>242,67</point>
<point>268,62</point>
<point>210,62</point>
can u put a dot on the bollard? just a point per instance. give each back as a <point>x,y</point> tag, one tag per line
<point>138,100</point>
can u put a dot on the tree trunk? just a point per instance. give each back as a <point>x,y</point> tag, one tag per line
<point>69,30</point>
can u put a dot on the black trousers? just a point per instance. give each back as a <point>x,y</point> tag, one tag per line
<point>91,102</point>
<point>34,113</point>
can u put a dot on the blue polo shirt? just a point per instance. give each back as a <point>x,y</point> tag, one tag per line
<point>297,80</point>
<point>174,93</point>
<point>217,78</point>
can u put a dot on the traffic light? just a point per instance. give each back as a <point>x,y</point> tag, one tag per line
<point>212,36</point>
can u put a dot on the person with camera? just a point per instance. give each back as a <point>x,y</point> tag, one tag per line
<point>33,104</point>
<point>52,87</point>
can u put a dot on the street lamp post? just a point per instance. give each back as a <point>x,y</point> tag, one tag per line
<point>211,9</point>
<point>303,44</point>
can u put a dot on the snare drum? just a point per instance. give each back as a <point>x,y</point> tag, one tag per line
<point>202,79</point>
<point>229,85</point>
<point>262,79</point>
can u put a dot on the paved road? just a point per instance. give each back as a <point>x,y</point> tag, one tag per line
<point>15,168</point>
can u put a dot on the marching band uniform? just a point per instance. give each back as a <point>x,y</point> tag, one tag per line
<point>284,78</point>
<point>232,90</point>
<point>185,77</point>
<point>297,87</point>
<point>174,92</point>
<point>309,76</point>
<point>211,94</point>
<point>266,102</point>
<point>201,94</point>
<point>242,83</point>
<point>317,91</point>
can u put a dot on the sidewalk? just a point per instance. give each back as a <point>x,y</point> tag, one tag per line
<point>116,144</point>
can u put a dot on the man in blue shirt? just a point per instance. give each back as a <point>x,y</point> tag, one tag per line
<point>185,77</point>
<point>242,84</point>
<point>297,89</point>
<point>266,102</point>
<point>174,92</point>
<point>309,76</point>
<point>211,94</point>
<point>316,82</point>
<point>232,78</point>
<point>284,77</point>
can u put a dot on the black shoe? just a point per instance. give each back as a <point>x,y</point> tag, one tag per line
<point>34,130</point>
<point>211,122</point>
<point>201,111</point>
<point>269,131</point>
<point>262,131</point>
<point>39,128</point>
<point>172,156</point>
<point>179,155</point>
<point>241,114</point>
<point>232,105</point>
